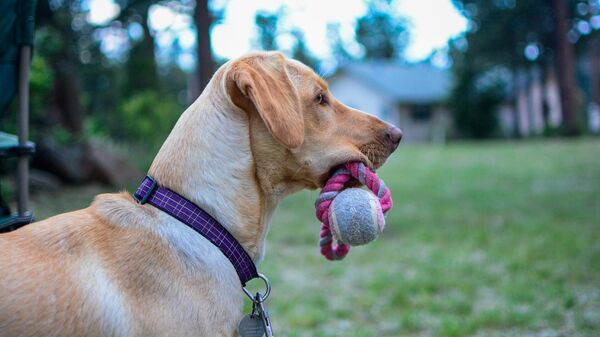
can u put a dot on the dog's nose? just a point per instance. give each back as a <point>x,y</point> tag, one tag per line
<point>394,135</point>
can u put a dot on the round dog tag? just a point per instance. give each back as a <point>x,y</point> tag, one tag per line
<point>251,326</point>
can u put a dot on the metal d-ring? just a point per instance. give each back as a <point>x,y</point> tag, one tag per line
<point>267,290</point>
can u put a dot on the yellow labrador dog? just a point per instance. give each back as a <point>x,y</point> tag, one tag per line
<point>264,127</point>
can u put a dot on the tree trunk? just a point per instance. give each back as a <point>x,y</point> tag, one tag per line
<point>513,103</point>
<point>205,65</point>
<point>65,107</point>
<point>595,68</point>
<point>66,94</point>
<point>564,63</point>
<point>141,64</point>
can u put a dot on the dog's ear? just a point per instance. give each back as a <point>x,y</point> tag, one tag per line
<point>261,84</point>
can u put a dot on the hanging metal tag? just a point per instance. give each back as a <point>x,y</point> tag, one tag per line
<point>251,326</point>
<point>258,322</point>
<point>264,315</point>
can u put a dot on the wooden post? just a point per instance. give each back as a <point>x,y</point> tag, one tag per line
<point>23,131</point>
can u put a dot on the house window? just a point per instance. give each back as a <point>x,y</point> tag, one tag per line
<point>421,113</point>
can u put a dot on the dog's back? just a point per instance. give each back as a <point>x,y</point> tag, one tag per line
<point>108,270</point>
<point>41,252</point>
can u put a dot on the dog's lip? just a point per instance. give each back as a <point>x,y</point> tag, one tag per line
<point>334,167</point>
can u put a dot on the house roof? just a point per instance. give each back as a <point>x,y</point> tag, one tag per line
<point>419,83</point>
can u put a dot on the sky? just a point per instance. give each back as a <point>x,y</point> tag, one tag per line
<point>431,24</point>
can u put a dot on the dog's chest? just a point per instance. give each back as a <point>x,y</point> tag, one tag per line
<point>200,295</point>
<point>212,315</point>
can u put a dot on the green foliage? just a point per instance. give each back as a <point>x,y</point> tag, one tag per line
<point>381,34</point>
<point>500,30</point>
<point>498,34</point>
<point>267,29</point>
<point>338,46</point>
<point>40,80</point>
<point>145,117</point>
<point>48,42</point>
<point>301,52</point>
<point>63,136</point>
<point>40,85</point>
<point>517,35</point>
<point>141,65</point>
<point>474,104</point>
<point>148,117</point>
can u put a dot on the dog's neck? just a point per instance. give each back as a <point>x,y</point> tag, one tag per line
<point>208,159</point>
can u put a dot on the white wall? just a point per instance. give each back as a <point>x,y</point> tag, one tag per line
<point>362,97</point>
<point>434,130</point>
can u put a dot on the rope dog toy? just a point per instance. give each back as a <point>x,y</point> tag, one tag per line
<point>351,216</point>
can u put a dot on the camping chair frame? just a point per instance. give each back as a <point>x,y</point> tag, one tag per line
<point>21,147</point>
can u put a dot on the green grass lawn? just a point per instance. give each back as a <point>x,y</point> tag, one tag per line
<point>485,239</point>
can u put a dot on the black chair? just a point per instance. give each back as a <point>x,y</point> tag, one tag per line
<point>16,41</point>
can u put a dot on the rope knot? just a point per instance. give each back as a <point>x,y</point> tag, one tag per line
<point>355,171</point>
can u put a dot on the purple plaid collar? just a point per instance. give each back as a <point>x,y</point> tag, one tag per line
<point>187,212</point>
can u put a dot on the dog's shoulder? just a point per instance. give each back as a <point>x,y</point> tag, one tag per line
<point>120,209</point>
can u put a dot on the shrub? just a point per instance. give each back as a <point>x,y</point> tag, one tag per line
<point>144,117</point>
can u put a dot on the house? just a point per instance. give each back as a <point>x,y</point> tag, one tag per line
<point>409,96</point>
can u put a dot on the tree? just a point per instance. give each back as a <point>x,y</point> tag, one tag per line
<point>140,67</point>
<point>338,46</point>
<point>593,48</point>
<point>565,67</point>
<point>473,101</point>
<point>62,56</point>
<point>267,24</point>
<point>502,32</point>
<point>301,52</point>
<point>381,34</point>
<point>205,63</point>
<point>595,70</point>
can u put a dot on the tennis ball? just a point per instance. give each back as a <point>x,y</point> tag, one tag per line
<point>355,216</point>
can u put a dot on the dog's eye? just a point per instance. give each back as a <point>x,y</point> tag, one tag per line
<point>321,99</point>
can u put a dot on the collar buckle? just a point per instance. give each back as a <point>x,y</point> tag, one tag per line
<point>143,198</point>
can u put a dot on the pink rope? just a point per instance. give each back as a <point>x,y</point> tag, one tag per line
<point>335,184</point>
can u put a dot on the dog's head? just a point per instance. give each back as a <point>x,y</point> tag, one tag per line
<point>298,131</point>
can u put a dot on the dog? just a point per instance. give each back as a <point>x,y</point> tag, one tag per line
<point>264,127</point>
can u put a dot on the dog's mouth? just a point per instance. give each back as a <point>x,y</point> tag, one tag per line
<point>372,155</point>
<point>376,155</point>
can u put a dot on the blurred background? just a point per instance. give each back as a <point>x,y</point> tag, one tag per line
<point>496,226</point>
